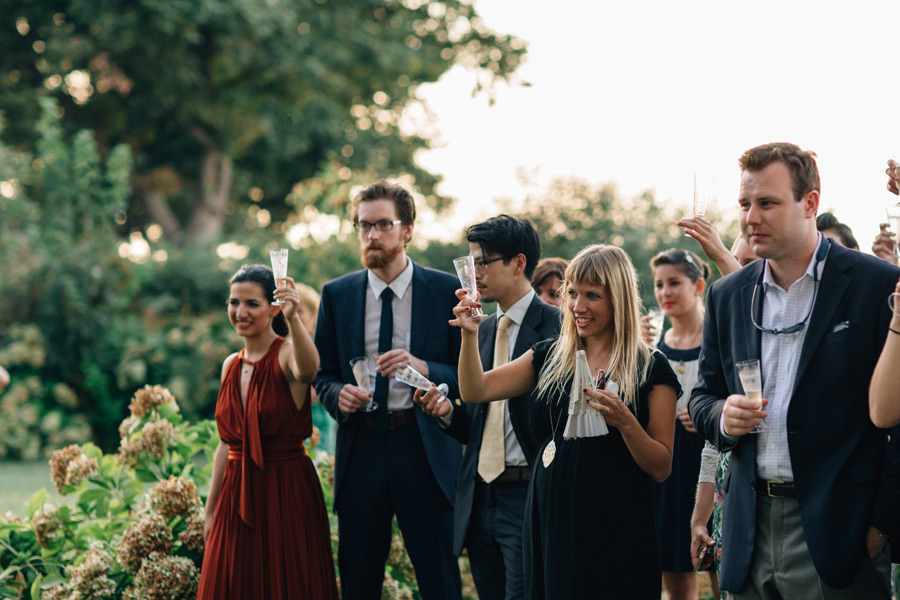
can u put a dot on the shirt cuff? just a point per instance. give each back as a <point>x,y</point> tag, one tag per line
<point>728,438</point>
<point>445,420</point>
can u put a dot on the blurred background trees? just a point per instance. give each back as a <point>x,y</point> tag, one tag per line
<point>148,149</point>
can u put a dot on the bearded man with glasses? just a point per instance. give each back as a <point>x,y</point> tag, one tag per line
<point>394,460</point>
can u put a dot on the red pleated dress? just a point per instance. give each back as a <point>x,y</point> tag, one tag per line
<point>269,538</point>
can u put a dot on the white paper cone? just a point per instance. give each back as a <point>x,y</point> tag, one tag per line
<point>583,420</point>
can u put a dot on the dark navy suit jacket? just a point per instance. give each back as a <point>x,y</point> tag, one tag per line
<point>541,321</point>
<point>339,337</point>
<point>844,470</point>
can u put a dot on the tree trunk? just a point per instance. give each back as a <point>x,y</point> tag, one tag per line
<point>215,188</point>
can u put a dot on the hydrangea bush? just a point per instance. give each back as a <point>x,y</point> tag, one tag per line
<point>135,528</point>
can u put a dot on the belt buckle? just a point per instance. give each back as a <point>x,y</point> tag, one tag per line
<point>769,491</point>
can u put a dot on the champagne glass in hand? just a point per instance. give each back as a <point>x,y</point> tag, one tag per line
<point>751,381</point>
<point>360,366</point>
<point>465,269</point>
<point>279,260</point>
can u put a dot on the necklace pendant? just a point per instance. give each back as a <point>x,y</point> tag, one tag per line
<point>681,367</point>
<point>549,453</point>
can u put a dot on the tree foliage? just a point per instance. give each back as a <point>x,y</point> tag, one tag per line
<point>227,103</point>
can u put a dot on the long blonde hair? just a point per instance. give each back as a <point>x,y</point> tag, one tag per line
<point>629,363</point>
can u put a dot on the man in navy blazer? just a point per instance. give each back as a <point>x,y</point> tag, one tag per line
<point>490,502</point>
<point>811,501</point>
<point>394,460</point>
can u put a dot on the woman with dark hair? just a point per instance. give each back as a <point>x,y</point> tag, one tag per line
<point>589,521</point>
<point>547,279</point>
<point>266,527</point>
<point>679,281</point>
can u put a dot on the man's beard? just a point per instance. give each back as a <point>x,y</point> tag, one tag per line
<point>379,260</point>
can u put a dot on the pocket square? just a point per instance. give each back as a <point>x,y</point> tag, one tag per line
<point>841,326</point>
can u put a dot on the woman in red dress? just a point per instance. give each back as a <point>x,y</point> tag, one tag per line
<point>266,523</point>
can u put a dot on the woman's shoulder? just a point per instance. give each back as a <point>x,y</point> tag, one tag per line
<point>541,350</point>
<point>660,372</point>
<point>228,362</point>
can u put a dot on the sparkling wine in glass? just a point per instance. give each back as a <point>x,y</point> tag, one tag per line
<point>279,268</point>
<point>657,317</point>
<point>413,378</point>
<point>751,380</point>
<point>465,269</point>
<point>893,217</point>
<point>360,367</point>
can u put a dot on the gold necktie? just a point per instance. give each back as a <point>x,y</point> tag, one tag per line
<point>492,459</point>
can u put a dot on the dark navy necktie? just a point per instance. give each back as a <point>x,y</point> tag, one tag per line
<point>385,340</point>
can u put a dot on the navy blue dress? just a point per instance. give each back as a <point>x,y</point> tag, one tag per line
<point>673,499</point>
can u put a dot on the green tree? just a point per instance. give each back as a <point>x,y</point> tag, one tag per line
<point>225,99</point>
<point>573,213</point>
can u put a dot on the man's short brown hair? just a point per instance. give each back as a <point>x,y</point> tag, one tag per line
<point>801,163</point>
<point>387,190</point>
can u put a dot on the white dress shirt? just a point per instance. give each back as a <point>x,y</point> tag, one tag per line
<point>399,394</point>
<point>779,361</point>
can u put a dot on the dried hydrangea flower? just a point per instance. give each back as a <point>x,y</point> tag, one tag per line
<point>174,496</point>
<point>59,464</point>
<point>148,398</point>
<point>91,579</point>
<point>46,524</point>
<point>192,536</point>
<point>130,451</point>
<point>165,578</point>
<point>158,436</point>
<point>149,534</point>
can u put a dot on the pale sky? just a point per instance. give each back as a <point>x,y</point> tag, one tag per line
<point>645,94</point>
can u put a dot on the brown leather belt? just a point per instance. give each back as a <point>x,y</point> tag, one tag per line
<point>514,474</point>
<point>396,419</point>
<point>776,489</point>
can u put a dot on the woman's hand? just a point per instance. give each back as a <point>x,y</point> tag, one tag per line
<point>463,312</point>
<point>685,419</point>
<point>893,184</point>
<point>611,407</point>
<point>699,540</point>
<point>207,524</point>
<point>647,329</point>
<point>290,299</point>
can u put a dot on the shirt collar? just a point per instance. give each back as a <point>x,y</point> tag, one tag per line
<point>517,311</point>
<point>399,285</point>
<point>769,281</point>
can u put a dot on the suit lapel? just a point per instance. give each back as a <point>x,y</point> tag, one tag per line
<point>528,329</point>
<point>832,287</point>
<point>752,336</point>
<point>421,309</point>
<point>356,315</point>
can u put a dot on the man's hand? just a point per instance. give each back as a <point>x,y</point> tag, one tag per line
<point>432,402</point>
<point>741,414</point>
<point>893,184</point>
<point>884,244</point>
<point>351,398</point>
<point>875,542</point>
<point>387,364</point>
<point>685,419</point>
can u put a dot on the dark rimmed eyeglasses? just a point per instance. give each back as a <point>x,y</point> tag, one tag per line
<point>481,265</point>
<point>820,256</point>
<point>382,225</point>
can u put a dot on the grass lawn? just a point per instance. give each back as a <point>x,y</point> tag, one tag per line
<point>20,480</point>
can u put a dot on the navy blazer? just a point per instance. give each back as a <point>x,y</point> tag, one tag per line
<point>841,461</point>
<point>340,335</point>
<point>542,321</point>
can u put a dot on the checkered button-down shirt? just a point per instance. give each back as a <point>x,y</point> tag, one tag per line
<point>779,362</point>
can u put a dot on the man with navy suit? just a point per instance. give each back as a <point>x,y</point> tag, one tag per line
<point>394,460</point>
<point>492,486</point>
<point>812,501</point>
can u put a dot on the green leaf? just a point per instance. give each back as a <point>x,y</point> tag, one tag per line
<point>145,475</point>
<point>36,588</point>
<point>40,498</point>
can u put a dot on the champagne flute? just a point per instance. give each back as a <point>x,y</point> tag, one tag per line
<point>279,260</point>
<point>751,380</point>
<point>360,367</point>
<point>893,217</point>
<point>465,269</point>
<point>657,317</point>
<point>406,374</point>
